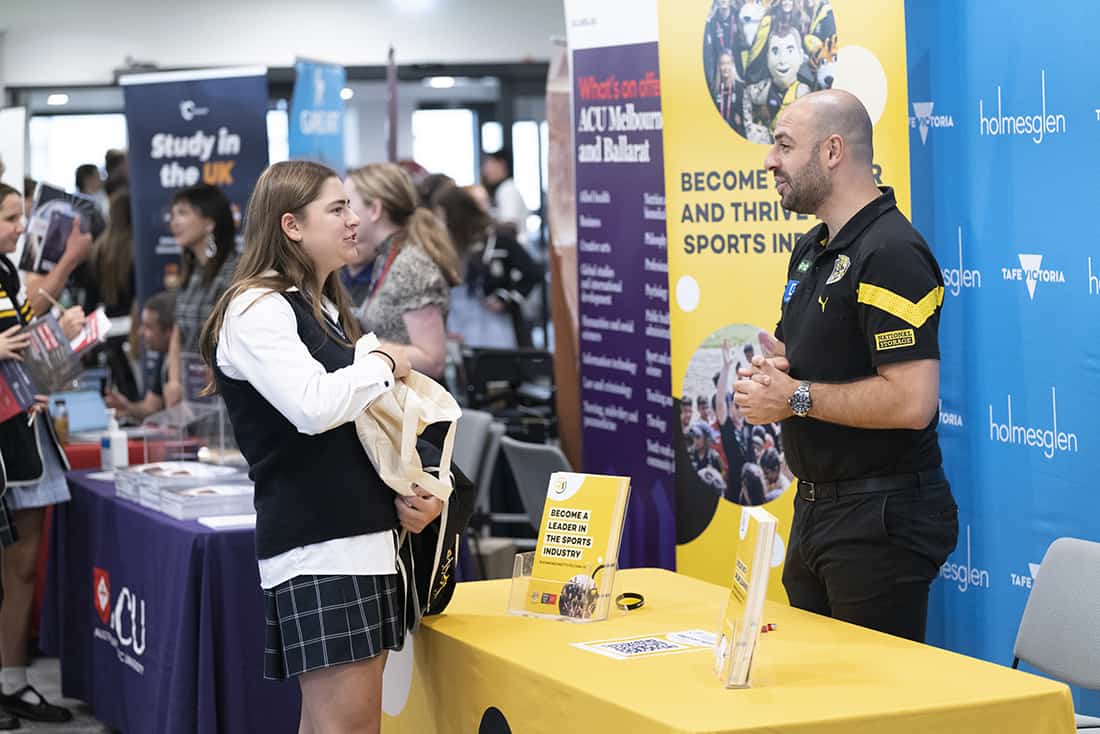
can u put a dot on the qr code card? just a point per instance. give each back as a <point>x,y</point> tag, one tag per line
<point>627,648</point>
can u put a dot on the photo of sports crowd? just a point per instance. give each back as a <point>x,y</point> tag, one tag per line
<point>741,462</point>
<point>761,55</point>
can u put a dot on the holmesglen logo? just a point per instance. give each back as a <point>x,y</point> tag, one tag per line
<point>923,119</point>
<point>1050,440</point>
<point>955,279</point>
<point>965,576</point>
<point>1037,126</point>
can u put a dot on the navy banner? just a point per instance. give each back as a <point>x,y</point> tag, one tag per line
<point>1005,145</point>
<point>622,258</point>
<point>186,128</point>
<point>317,114</point>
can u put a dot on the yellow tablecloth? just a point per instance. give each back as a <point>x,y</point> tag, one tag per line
<point>812,674</point>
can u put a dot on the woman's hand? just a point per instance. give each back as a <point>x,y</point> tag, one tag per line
<point>11,344</point>
<point>72,321</point>
<point>173,394</point>
<point>419,511</point>
<point>121,404</point>
<point>400,356</point>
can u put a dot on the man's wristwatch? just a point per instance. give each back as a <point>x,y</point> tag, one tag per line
<point>800,401</point>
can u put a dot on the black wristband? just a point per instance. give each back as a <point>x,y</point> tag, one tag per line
<point>629,600</point>
<point>393,364</point>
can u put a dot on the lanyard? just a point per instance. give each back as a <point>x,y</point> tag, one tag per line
<point>382,275</point>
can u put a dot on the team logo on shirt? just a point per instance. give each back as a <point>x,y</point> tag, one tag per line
<point>886,340</point>
<point>840,267</point>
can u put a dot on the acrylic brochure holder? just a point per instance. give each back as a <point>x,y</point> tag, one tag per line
<point>571,573</point>
<point>581,599</point>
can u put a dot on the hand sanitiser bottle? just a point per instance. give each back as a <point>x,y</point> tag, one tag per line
<point>114,453</point>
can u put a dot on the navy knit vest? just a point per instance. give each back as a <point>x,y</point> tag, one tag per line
<point>309,489</point>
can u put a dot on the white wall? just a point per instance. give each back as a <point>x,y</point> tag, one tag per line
<point>369,109</point>
<point>81,42</point>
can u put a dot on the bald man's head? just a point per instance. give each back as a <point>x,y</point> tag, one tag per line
<point>821,140</point>
<point>836,112</point>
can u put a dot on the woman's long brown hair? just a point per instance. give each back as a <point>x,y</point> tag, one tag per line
<point>286,187</point>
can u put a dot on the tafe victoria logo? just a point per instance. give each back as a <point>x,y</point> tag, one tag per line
<point>125,622</point>
<point>966,576</point>
<point>1024,581</point>
<point>1032,273</point>
<point>955,279</point>
<point>923,119</point>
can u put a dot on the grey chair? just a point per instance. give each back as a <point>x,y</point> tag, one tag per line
<point>532,464</point>
<point>471,441</point>
<point>1059,633</point>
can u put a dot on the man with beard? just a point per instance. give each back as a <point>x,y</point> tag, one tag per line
<point>854,377</point>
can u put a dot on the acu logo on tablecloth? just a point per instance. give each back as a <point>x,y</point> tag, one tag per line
<point>125,620</point>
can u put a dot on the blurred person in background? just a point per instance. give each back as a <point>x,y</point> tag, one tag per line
<point>117,170</point>
<point>498,275</point>
<point>508,207</point>
<point>157,319</point>
<point>90,183</point>
<point>202,223</point>
<point>110,283</point>
<point>432,185</point>
<point>413,266</point>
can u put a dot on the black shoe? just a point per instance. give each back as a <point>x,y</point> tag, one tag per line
<point>41,711</point>
<point>8,722</point>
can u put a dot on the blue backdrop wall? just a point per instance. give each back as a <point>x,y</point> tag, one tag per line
<point>1005,148</point>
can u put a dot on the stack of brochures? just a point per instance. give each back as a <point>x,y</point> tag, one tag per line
<point>207,500</point>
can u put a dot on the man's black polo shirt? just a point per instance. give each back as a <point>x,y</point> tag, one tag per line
<point>870,296</point>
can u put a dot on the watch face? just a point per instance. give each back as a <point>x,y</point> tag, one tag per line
<point>800,401</point>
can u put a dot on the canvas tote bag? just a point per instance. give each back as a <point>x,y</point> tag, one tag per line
<point>389,427</point>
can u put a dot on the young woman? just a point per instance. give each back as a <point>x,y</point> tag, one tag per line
<point>487,309</point>
<point>32,468</point>
<point>203,225</point>
<point>289,363</point>
<point>414,267</point>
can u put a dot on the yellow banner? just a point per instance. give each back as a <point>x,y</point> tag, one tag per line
<point>728,69</point>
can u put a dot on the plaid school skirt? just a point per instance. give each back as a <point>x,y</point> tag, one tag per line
<point>320,621</point>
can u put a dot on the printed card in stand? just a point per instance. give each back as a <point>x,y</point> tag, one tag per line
<point>740,628</point>
<point>578,546</point>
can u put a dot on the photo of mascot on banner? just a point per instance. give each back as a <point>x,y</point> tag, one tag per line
<point>743,463</point>
<point>758,57</point>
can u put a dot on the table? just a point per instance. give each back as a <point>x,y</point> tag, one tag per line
<point>158,623</point>
<point>813,674</point>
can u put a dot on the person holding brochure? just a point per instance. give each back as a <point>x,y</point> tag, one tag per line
<point>289,361</point>
<point>853,373</point>
<point>33,472</point>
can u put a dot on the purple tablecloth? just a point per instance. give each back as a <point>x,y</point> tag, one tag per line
<point>158,623</point>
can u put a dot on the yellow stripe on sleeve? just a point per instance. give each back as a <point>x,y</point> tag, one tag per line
<point>914,314</point>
